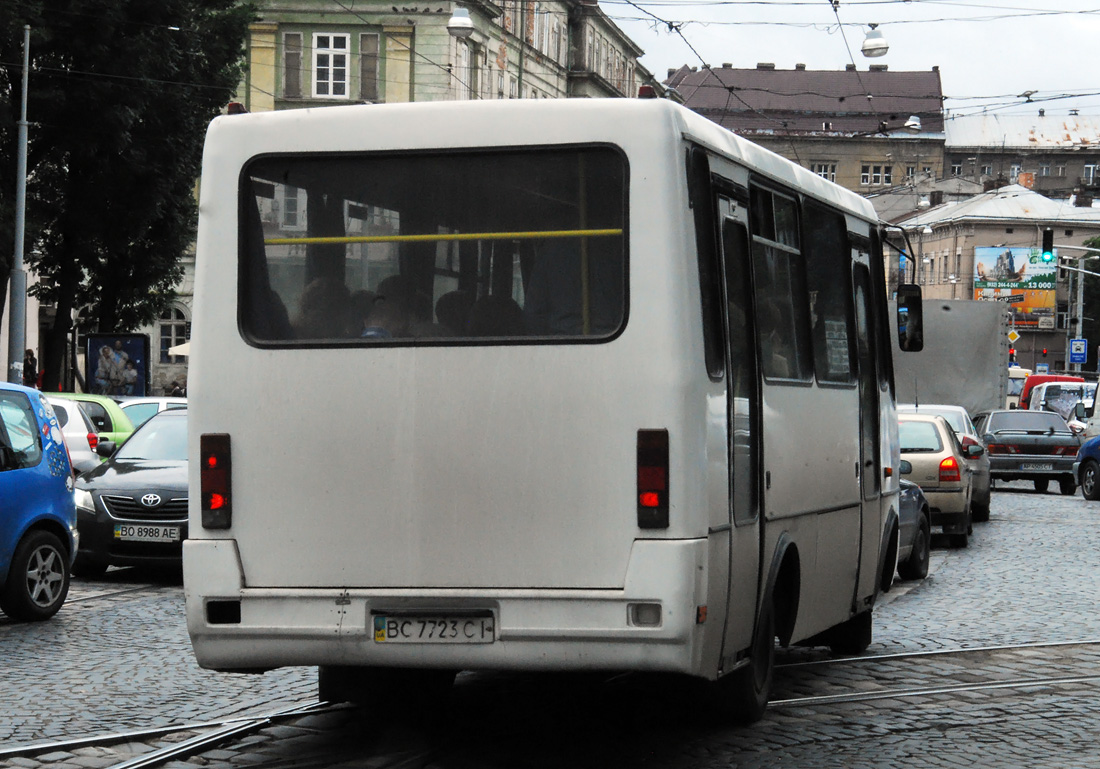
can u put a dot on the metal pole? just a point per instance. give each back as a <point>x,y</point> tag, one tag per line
<point>17,324</point>
<point>1080,313</point>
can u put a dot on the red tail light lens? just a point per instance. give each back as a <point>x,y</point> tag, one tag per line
<point>949,471</point>
<point>653,479</point>
<point>968,441</point>
<point>215,476</point>
<point>93,440</point>
<point>1002,448</point>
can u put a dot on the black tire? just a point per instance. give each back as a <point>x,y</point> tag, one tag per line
<point>916,565</point>
<point>1041,484</point>
<point>1090,480</point>
<point>38,579</point>
<point>979,513</point>
<point>853,636</point>
<point>960,540</point>
<point>744,693</point>
<point>82,567</point>
<point>1067,486</point>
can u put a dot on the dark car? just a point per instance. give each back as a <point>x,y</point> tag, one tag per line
<point>915,536</point>
<point>1030,445</point>
<point>132,509</point>
<point>38,535</point>
<point>1086,468</point>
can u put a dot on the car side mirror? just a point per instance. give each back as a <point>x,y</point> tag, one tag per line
<point>105,448</point>
<point>906,467</point>
<point>973,451</point>
<point>910,318</point>
<point>1079,410</point>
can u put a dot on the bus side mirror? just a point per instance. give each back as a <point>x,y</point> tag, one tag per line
<point>910,318</point>
<point>906,467</point>
<point>1079,410</point>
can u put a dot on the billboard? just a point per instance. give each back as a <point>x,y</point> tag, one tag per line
<point>1019,277</point>
<point>117,364</point>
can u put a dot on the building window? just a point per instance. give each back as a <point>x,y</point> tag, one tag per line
<point>292,65</point>
<point>368,67</point>
<point>825,170</point>
<point>511,88</point>
<point>1060,169</point>
<point>876,175</point>
<point>910,172</point>
<point>926,169</point>
<point>330,66</point>
<point>1014,172</point>
<point>173,331</point>
<point>1044,169</point>
<point>1092,173</point>
<point>987,170</point>
<point>956,169</point>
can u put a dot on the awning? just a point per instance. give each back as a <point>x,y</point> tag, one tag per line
<point>180,349</point>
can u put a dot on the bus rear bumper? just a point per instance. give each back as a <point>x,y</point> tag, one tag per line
<point>238,628</point>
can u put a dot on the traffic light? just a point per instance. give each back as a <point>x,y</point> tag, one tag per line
<point>1048,245</point>
<point>1044,352</point>
<point>1011,354</point>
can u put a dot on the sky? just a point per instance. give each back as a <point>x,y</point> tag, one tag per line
<point>989,52</point>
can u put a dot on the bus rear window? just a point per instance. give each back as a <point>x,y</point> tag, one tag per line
<point>441,248</point>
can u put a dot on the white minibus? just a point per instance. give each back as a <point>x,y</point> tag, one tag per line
<point>583,384</point>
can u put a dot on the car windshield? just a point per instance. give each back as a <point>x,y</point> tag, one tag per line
<point>1043,421</point>
<point>161,438</point>
<point>919,436</point>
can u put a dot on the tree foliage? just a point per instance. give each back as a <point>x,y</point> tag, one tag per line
<point>121,92</point>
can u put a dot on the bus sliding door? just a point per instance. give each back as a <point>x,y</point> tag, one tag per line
<point>743,414</point>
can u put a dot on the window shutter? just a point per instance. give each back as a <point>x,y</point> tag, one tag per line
<point>292,65</point>
<point>368,67</point>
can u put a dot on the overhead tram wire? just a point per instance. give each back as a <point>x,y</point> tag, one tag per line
<point>730,94</point>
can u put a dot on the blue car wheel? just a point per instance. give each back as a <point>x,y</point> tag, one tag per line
<point>38,580</point>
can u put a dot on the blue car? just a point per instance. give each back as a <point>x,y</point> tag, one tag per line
<point>38,536</point>
<point>1086,468</point>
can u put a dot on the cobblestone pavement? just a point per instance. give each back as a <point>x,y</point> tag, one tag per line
<point>1028,577</point>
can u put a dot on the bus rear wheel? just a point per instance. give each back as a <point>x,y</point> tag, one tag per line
<point>745,692</point>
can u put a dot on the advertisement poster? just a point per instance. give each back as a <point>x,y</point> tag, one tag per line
<point>117,364</point>
<point>1019,277</point>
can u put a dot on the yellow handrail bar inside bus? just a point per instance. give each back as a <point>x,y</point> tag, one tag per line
<point>541,234</point>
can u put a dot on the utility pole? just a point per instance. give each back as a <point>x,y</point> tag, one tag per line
<point>17,324</point>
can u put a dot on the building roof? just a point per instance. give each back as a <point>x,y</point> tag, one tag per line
<point>817,102</point>
<point>1011,203</point>
<point>1031,132</point>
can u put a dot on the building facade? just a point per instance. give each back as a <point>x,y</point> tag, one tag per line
<point>1056,155</point>
<point>988,248</point>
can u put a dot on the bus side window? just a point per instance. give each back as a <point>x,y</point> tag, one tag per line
<point>828,280</point>
<point>782,307</point>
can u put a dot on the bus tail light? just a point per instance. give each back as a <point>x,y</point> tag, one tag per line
<point>216,500</point>
<point>949,471</point>
<point>653,479</point>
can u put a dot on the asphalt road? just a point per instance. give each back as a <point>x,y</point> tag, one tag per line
<point>1014,680</point>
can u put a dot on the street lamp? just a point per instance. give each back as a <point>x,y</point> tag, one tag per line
<point>460,25</point>
<point>874,45</point>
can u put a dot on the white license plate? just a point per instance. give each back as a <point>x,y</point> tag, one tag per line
<point>1036,466</point>
<point>144,533</point>
<point>434,630</point>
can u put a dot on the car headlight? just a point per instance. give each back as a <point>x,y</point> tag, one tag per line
<point>83,499</point>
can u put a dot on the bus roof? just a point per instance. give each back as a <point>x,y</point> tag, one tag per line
<point>486,124</point>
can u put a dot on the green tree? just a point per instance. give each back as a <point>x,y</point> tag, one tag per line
<point>121,92</point>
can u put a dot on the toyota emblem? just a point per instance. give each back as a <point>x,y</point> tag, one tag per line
<point>151,500</point>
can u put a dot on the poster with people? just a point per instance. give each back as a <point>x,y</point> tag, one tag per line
<point>1020,278</point>
<point>117,364</point>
